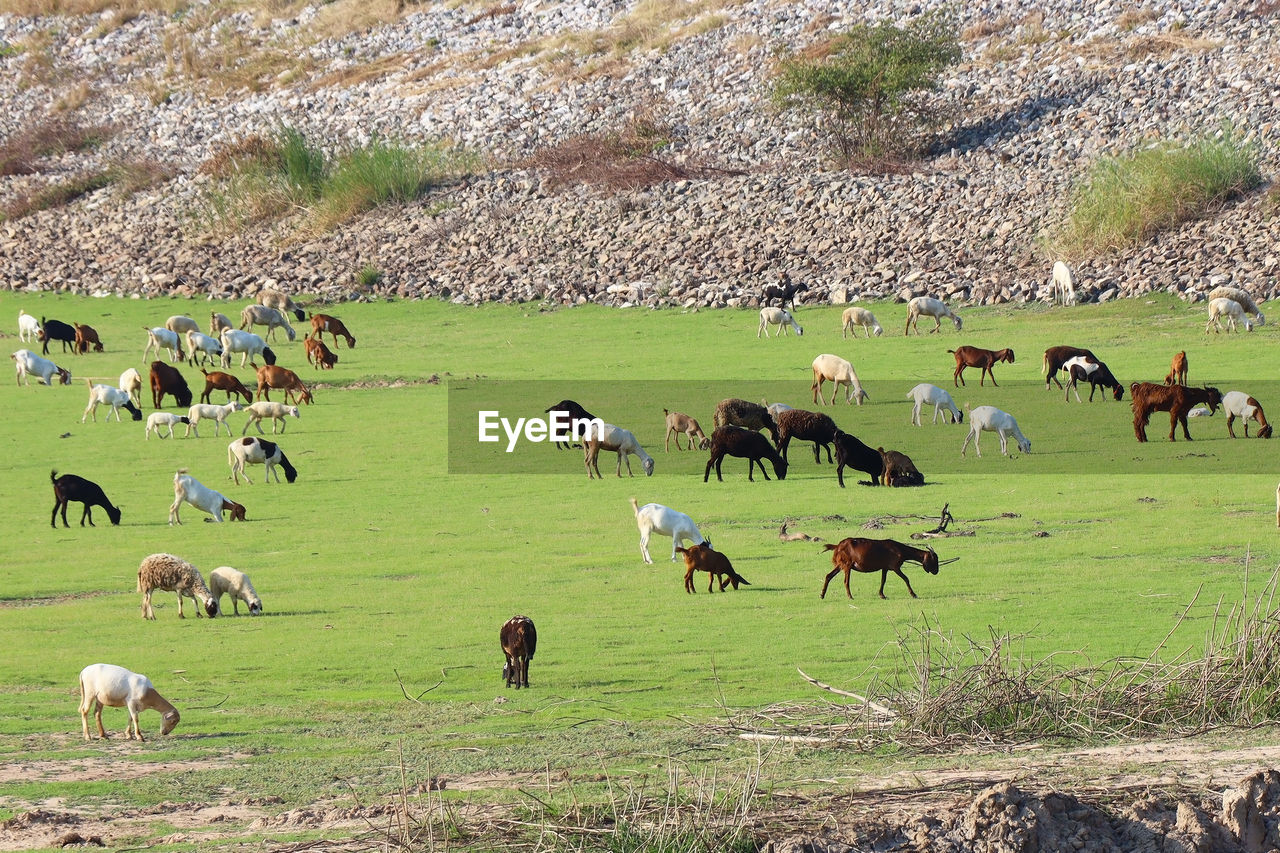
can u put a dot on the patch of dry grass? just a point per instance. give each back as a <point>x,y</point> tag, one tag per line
<point>1140,47</point>
<point>74,8</point>
<point>20,153</point>
<point>1131,19</point>
<point>74,98</point>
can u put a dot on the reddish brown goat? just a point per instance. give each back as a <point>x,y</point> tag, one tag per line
<point>519,639</point>
<point>321,323</point>
<point>1177,400</point>
<point>1177,370</point>
<point>219,381</point>
<point>168,380</point>
<point>1055,357</point>
<point>271,376</point>
<point>701,558</point>
<point>319,355</point>
<point>876,555</point>
<point>976,357</point>
<point>86,335</point>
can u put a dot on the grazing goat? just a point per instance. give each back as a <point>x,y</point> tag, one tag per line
<point>86,335</point>
<point>173,574</point>
<point>202,349</point>
<point>857,316</point>
<point>248,345</point>
<point>775,409</point>
<point>852,453</point>
<point>167,380</point>
<point>276,411</point>
<point>28,327</point>
<point>876,555</point>
<point>576,415</point>
<point>1056,357</point>
<point>927,306</point>
<point>271,376</point>
<point>261,315</point>
<point>280,301</point>
<point>258,451</point>
<point>656,518</point>
<point>319,355</point>
<point>159,338</point>
<point>784,291</point>
<point>1064,289</point>
<point>1177,370</point>
<point>131,383</point>
<point>116,687</point>
<point>164,420</point>
<point>1083,369</point>
<point>743,443</point>
<point>1231,310</point>
<point>981,358</point>
<point>701,558</point>
<point>681,423</point>
<point>181,324</point>
<point>218,322</point>
<point>777,317</point>
<point>1238,404</point>
<point>615,438</point>
<point>321,323</point>
<point>26,364</point>
<point>925,394</point>
<point>105,395</point>
<point>519,641</point>
<point>70,487</point>
<point>806,426</point>
<point>219,381</point>
<point>190,490</point>
<point>743,413</point>
<point>218,414</point>
<point>235,583</point>
<point>899,470</point>
<point>56,330</point>
<point>991,419</point>
<point>840,372</point>
<point>1177,400</point>
<point>1241,298</point>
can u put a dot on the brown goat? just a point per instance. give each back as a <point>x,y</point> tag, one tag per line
<point>270,376</point>
<point>1177,370</point>
<point>701,558</point>
<point>86,335</point>
<point>519,639</point>
<point>1177,400</point>
<point>899,470</point>
<point>681,423</point>
<point>876,555</point>
<point>977,357</point>
<point>1055,357</point>
<point>168,380</point>
<point>321,323</point>
<point>319,355</point>
<point>219,381</point>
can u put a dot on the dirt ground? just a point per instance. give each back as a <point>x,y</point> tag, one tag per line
<point>1156,796</point>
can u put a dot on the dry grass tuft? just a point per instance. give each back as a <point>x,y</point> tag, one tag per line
<point>1140,47</point>
<point>233,157</point>
<point>1131,19</point>
<point>491,12</point>
<point>74,98</point>
<point>20,153</point>
<point>128,9</point>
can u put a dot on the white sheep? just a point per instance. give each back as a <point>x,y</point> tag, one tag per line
<point>159,338</point>
<point>218,322</point>
<point>258,451</point>
<point>247,344</point>
<point>267,409</point>
<point>1064,288</point>
<point>116,687</point>
<point>190,490</point>
<point>840,372</point>
<point>857,316</point>
<point>991,419</point>
<point>927,306</point>
<point>925,394</point>
<point>777,317</point>
<point>160,420</point>
<point>203,347</point>
<point>173,574</point>
<point>1230,309</point>
<point>218,414</point>
<point>180,324</point>
<point>656,518</point>
<point>610,437</point>
<point>105,395</point>
<point>28,327</point>
<point>225,579</point>
<point>261,315</point>
<point>1240,297</point>
<point>131,383</point>
<point>28,364</point>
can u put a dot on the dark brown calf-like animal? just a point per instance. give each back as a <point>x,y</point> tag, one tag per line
<point>219,381</point>
<point>86,335</point>
<point>981,358</point>
<point>168,380</point>
<point>702,558</point>
<point>1177,400</point>
<point>876,555</point>
<point>321,323</point>
<point>1177,370</point>
<point>1055,357</point>
<point>899,470</point>
<point>519,641</point>
<point>69,488</point>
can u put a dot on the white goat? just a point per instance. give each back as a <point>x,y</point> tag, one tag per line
<point>131,383</point>
<point>927,306</point>
<point>28,327</point>
<point>261,315</point>
<point>258,451</point>
<point>247,344</point>
<point>218,414</point>
<point>161,338</point>
<point>775,409</point>
<point>225,579</point>
<point>925,394</point>
<point>105,395</point>
<point>656,518</point>
<point>840,372</point>
<point>180,324</point>
<point>991,419</point>
<point>160,420</point>
<point>777,317</point>
<point>203,347</point>
<point>116,687</point>
<point>218,322</point>
<point>857,316</point>
<point>190,490</point>
<point>1241,297</point>
<point>267,409</point>
<point>28,364</point>
<point>615,438</point>
<point>1064,288</point>
<point>1230,309</point>
<point>173,574</point>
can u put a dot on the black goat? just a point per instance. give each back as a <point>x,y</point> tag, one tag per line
<point>784,291</point>
<point>806,426</point>
<point>56,330</point>
<point>69,488</point>
<point>1095,373</point>
<point>575,413</point>
<point>852,453</point>
<point>743,443</point>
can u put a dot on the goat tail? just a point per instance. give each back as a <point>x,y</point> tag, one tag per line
<point>635,505</point>
<point>53,478</point>
<point>828,547</point>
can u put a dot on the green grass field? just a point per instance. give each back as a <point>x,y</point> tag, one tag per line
<point>378,566</point>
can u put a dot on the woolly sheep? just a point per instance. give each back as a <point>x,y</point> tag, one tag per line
<point>116,687</point>
<point>840,372</point>
<point>181,324</point>
<point>173,574</point>
<point>276,411</point>
<point>225,579</point>
<point>777,317</point>
<point>857,316</point>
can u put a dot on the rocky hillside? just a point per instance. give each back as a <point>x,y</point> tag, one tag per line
<point>1043,91</point>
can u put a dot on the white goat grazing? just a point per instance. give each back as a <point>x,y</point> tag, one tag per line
<point>1064,288</point>
<point>28,327</point>
<point>28,364</point>
<point>161,420</point>
<point>247,344</point>
<point>180,324</point>
<point>218,414</point>
<point>1230,309</point>
<point>116,687</point>
<point>1241,297</point>
<point>218,322</point>
<point>131,383</point>
<point>267,409</point>
<point>258,451</point>
<point>105,395</point>
<point>656,518</point>
<point>202,349</point>
<point>857,316</point>
<point>925,394</point>
<point>173,574</point>
<point>991,419</point>
<point>777,317</point>
<point>159,338</point>
<point>615,438</point>
<point>927,306</point>
<point>261,315</point>
<point>840,372</point>
<point>189,489</point>
<point>225,579</point>
<point>775,409</point>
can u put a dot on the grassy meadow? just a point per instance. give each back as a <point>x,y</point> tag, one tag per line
<point>382,573</point>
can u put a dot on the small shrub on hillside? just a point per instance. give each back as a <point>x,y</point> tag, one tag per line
<point>368,276</point>
<point>57,195</point>
<point>50,138</point>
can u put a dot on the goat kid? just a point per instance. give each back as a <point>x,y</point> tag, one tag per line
<point>701,558</point>
<point>678,423</point>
